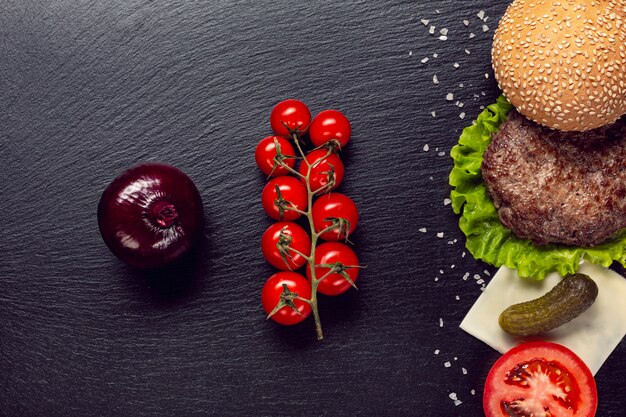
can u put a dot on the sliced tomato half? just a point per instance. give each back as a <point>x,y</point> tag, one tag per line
<point>540,379</point>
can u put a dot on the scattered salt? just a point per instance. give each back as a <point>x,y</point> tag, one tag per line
<point>446,201</point>
<point>435,79</point>
<point>422,229</point>
<point>424,60</point>
<point>436,351</point>
<point>447,364</point>
<point>431,30</point>
<point>449,96</point>
<point>481,14</point>
<point>462,115</point>
<point>440,322</point>
<point>440,235</point>
<point>464,371</point>
<point>425,22</point>
<point>425,148</point>
<point>485,28</point>
<point>444,31</point>
<point>443,38</point>
<point>471,35</point>
<point>466,22</point>
<point>456,65</point>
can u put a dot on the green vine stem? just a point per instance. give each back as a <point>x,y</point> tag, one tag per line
<point>314,237</point>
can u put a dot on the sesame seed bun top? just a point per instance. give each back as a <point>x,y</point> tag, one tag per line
<point>562,63</point>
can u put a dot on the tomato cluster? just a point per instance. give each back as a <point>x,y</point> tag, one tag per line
<point>300,185</point>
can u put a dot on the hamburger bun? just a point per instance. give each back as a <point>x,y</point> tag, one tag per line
<point>562,63</point>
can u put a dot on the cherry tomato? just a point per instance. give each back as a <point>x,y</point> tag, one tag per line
<point>319,175</point>
<point>540,379</point>
<point>330,124</point>
<point>271,297</point>
<point>292,113</point>
<point>297,239</point>
<point>331,253</point>
<point>266,151</point>
<point>339,206</point>
<point>293,193</point>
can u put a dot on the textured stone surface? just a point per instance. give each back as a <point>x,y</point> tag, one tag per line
<point>89,88</point>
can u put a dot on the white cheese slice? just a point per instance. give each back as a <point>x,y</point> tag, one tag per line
<point>592,336</point>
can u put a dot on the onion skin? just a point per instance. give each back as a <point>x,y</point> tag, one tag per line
<point>150,215</point>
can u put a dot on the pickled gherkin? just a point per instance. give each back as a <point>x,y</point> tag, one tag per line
<point>566,301</point>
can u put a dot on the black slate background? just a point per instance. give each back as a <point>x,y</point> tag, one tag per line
<point>89,88</point>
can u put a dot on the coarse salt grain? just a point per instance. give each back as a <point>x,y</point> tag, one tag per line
<point>444,31</point>
<point>440,322</point>
<point>471,35</point>
<point>466,22</point>
<point>440,235</point>
<point>431,30</point>
<point>481,14</point>
<point>447,364</point>
<point>449,96</point>
<point>434,114</point>
<point>446,201</point>
<point>464,371</point>
<point>462,115</point>
<point>422,229</point>
<point>436,352</point>
<point>485,28</point>
<point>424,60</point>
<point>425,148</point>
<point>425,22</point>
<point>435,79</point>
<point>443,38</point>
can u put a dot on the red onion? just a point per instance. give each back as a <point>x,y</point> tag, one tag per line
<point>150,215</point>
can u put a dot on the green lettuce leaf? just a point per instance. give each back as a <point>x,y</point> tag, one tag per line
<point>487,239</point>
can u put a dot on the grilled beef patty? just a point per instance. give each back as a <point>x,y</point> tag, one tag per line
<point>558,187</point>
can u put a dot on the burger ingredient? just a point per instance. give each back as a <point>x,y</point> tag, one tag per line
<point>282,298</point>
<point>563,303</point>
<point>324,169</point>
<point>593,335</point>
<point>540,379</point>
<point>337,266</point>
<point>486,238</point>
<point>285,245</point>
<point>268,150</point>
<point>290,116</point>
<point>284,198</point>
<point>334,267</point>
<point>330,125</point>
<point>558,187</point>
<point>150,215</point>
<point>335,208</point>
<point>561,63</point>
